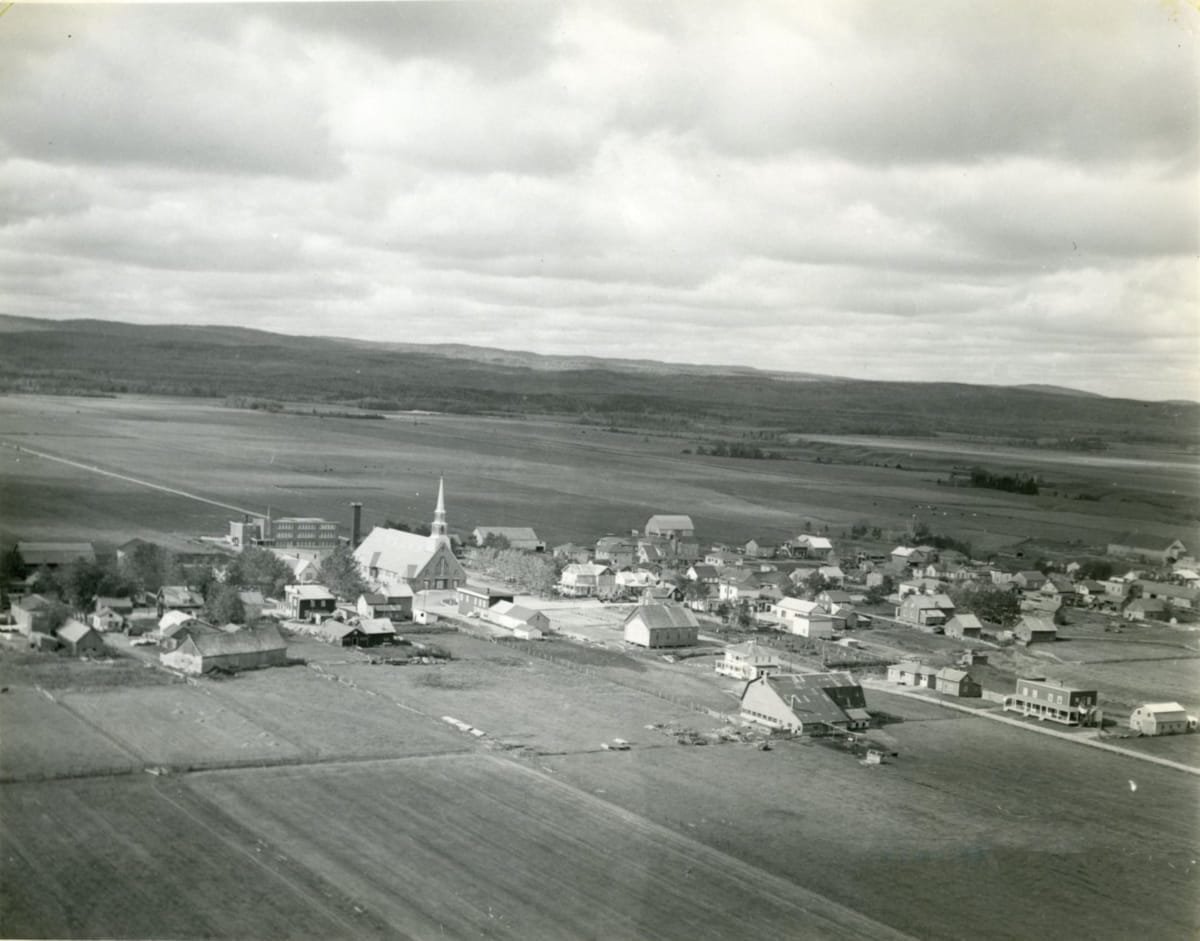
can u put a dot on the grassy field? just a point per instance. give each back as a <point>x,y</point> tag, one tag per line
<point>41,739</point>
<point>475,847</point>
<point>569,481</point>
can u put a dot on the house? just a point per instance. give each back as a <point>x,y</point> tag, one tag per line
<point>54,555</point>
<point>1059,587</point>
<point>931,611</point>
<point>1032,629</point>
<point>307,601</point>
<point>1145,609</point>
<point>304,571</point>
<point>1161,718</point>
<point>616,551</point>
<point>253,603</point>
<point>517,537</point>
<point>587,579</point>
<point>178,598</point>
<point>964,625</point>
<point>173,632</point>
<point>525,623</point>
<point>243,650</point>
<point>654,551</point>
<point>395,605</point>
<point>359,632</point>
<point>1157,550</point>
<point>473,600</point>
<point>569,552</point>
<point>1177,596</point>
<point>389,558</point>
<point>661,625</point>
<point>635,580</point>
<point>32,614</point>
<point>805,546</point>
<point>759,550</point>
<point>121,604</point>
<point>673,527</point>
<point>805,703</point>
<point>911,673</point>
<point>739,585</point>
<point>719,558</point>
<point>904,557</point>
<point>919,586</point>
<point>705,573</point>
<point>832,574</point>
<point>1089,591</point>
<point>1052,701</point>
<point>660,594</point>
<point>747,661</point>
<point>804,618</point>
<point>1029,581</point>
<point>80,640</point>
<point>955,682</point>
<point>837,603</point>
<point>172,619</point>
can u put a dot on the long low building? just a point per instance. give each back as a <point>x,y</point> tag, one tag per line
<point>662,625</point>
<point>1052,701</point>
<point>806,702</point>
<point>218,651</point>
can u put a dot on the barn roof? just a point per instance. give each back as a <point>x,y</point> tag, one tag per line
<point>260,640</point>
<point>662,521</point>
<point>73,631</point>
<point>819,697</point>
<point>655,616</point>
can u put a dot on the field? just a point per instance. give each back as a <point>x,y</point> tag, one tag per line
<point>370,816</point>
<point>568,481</point>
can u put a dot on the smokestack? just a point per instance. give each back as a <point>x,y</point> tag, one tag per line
<point>356,528</point>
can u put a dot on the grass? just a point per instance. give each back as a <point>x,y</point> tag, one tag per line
<point>568,481</point>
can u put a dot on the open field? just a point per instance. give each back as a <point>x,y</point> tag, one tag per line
<point>571,482</point>
<point>132,857</point>
<point>41,739</point>
<point>977,828</point>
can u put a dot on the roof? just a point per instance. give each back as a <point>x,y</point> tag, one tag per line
<point>394,550</point>
<point>173,618</point>
<point>174,596</point>
<point>585,568</point>
<point>113,602</point>
<point>837,596</point>
<point>663,521</point>
<point>1032,623</point>
<point>259,640</point>
<point>1168,590</point>
<point>187,628</point>
<point>252,596</point>
<point>1159,708</point>
<point>912,666</point>
<point>818,697</point>
<point>34,554</point>
<point>308,592</point>
<point>940,602</point>
<point>515,611</point>
<point>814,542</point>
<point>33,602</point>
<point>953,675</point>
<point>520,533</point>
<point>484,592</point>
<point>966,619</point>
<point>655,616</point>
<point>376,626</point>
<point>801,606</point>
<point>1139,541</point>
<point>73,631</point>
<point>903,551</point>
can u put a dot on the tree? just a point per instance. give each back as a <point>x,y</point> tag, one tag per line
<point>148,566</point>
<point>496,541</point>
<point>816,583</point>
<point>261,569</point>
<point>339,573</point>
<point>998,605</point>
<point>421,529</point>
<point>1096,569</point>
<point>224,606</point>
<point>12,566</point>
<point>82,580</point>
<point>745,616</point>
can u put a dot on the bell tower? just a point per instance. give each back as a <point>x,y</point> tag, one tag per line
<point>437,530</point>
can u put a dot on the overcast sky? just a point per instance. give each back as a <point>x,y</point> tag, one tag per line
<point>1002,192</point>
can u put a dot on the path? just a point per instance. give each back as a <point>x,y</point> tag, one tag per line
<point>92,468</point>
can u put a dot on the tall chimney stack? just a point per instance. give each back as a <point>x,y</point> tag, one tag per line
<point>356,528</point>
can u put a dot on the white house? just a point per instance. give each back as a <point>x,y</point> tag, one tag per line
<point>661,625</point>
<point>587,579</point>
<point>747,661</point>
<point>804,618</point>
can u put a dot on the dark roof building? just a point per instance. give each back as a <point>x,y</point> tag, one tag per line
<point>806,702</point>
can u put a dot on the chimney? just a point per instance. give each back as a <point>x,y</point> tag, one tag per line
<point>356,528</point>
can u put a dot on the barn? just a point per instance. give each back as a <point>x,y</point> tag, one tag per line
<point>662,625</point>
<point>80,640</point>
<point>244,650</point>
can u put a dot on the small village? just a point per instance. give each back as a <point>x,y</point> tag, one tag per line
<point>797,634</point>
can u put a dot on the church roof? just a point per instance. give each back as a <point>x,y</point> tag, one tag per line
<point>393,550</point>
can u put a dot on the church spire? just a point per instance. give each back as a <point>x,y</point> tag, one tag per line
<point>438,529</point>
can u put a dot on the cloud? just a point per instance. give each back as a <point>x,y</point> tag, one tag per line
<point>1007,192</point>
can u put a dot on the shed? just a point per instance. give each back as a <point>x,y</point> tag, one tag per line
<point>1161,718</point>
<point>245,650</point>
<point>661,625</point>
<point>79,639</point>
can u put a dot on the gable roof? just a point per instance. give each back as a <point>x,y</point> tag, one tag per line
<point>218,644</point>
<point>33,602</point>
<point>73,631</point>
<point>966,619</point>
<point>818,697</point>
<point>519,533</point>
<point>663,615</point>
<point>661,521</point>
<point>394,550</point>
<point>34,554</point>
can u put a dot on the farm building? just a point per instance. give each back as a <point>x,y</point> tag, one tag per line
<point>904,557</point>
<point>525,623</point>
<point>517,537</point>
<point>244,650</point>
<point>748,661</point>
<point>1029,581</point>
<point>306,601</point>
<point>805,546</point>
<point>964,625</point>
<point>661,625</point>
<point>947,680</point>
<point>929,611</point>
<point>474,599</point>
<point>569,552</point>
<point>1155,549</point>
<point>1032,629</point>
<point>253,603</point>
<point>1161,718</point>
<point>178,598</point>
<point>32,614</point>
<point>911,673</point>
<point>670,526</point>
<point>618,551</point>
<point>759,550</point>
<point>1051,700</point>
<point>832,574</point>
<point>53,555</point>
<point>396,605</point>
<point>360,632</point>
<point>1145,609</point>
<point>79,639</point>
<point>954,682</point>
<point>805,703</point>
<point>586,579</point>
<point>660,594</point>
<point>800,617</point>
<point>175,632</point>
<point>389,558</point>
<point>1178,596</point>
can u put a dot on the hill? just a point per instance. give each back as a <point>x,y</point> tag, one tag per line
<point>102,357</point>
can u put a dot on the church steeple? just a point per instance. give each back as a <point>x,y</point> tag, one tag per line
<point>438,529</point>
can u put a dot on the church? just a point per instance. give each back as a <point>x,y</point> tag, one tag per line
<point>391,558</point>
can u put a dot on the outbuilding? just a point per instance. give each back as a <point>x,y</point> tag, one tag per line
<point>1161,718</point>
<point>662,625</point>
<point>244,650</point>
<point>80,640</point>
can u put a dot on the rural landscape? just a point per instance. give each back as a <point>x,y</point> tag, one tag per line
<point>603,471</point>
<point>462,779</point>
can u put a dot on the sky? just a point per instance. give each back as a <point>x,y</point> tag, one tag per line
<point>1001,192</point>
